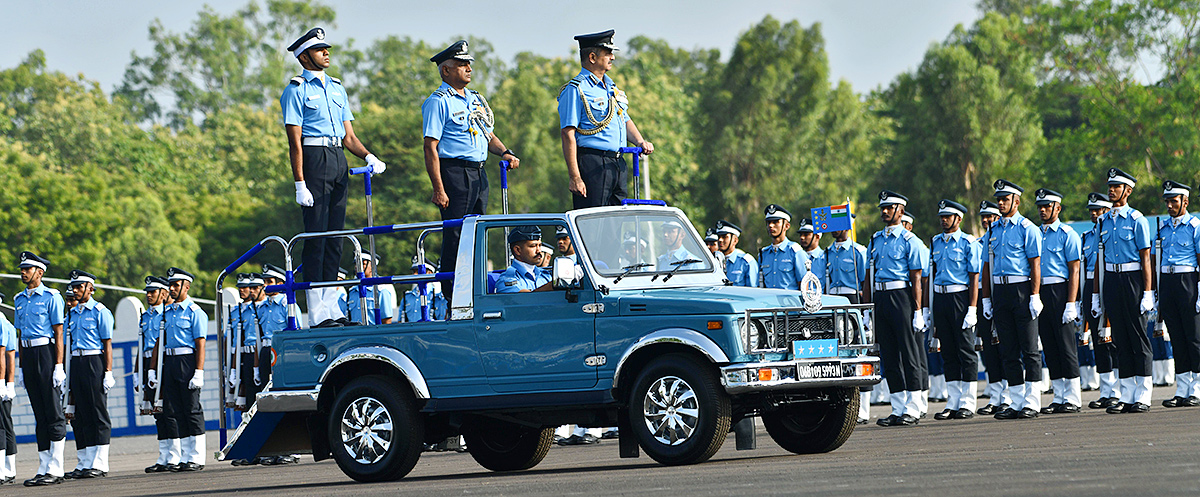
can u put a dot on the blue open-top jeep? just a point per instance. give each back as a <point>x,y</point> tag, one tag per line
<point>637,332</point>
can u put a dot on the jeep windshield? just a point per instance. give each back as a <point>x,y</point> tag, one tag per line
<point>642,243</point>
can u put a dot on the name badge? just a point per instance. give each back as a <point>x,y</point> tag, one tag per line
<point>313,97</point>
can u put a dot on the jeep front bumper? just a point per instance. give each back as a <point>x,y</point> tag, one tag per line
<point>799,374</point>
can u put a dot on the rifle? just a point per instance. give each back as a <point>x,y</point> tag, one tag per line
<point>258,341</point>
<point>1105,336</point>
<point>935,345</point>
<point>991,285</point>
<point>1159,330</point>
<point>162,345</point>
<point>240,333</point>
<point>66,389</point>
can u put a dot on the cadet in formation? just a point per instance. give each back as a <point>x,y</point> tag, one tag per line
<point>1179,292</point>
<point>1096,324</point>
<point>411,301</point>
<point>317,120</point>
<point>955,264</point>
<point>152,324</point>
<point>740,268</point>
<point>39,317</point>
<point>91,328</point>
<point>783,263</point>
<point>183,369</point>
<point>377,297</point>
<point>1061,253</point>
<point>8,391</point>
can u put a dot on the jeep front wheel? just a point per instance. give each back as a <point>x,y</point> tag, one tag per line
<point>814,428</point>
<point>375,431</point>
<point>501,446</point>
<point>678,410</point>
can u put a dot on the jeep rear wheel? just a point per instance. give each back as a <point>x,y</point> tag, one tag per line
<point>375,431</point>
<point>501,446</point>
<point>678,410</point>
<point>814,428</point>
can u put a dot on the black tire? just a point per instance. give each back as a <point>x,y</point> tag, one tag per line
<point>708,402</point>
<point>815,428</point>
<point>501,446</point>
<point>382,400</point>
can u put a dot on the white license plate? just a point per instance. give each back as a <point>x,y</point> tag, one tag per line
<point>819,370</point>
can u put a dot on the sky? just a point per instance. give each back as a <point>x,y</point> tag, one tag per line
<point>868,42</point>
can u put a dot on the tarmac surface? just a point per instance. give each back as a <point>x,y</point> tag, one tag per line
<point>1090,453</point>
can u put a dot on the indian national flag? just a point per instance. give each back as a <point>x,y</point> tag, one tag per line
<point>838,211</point>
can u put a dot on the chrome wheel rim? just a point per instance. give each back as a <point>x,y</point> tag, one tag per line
<point>671,410</point>
<point>366,430</point>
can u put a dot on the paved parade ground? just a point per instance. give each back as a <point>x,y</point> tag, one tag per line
<point>1091,453</point>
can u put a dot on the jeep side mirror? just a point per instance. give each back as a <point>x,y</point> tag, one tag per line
<point>566,274</point>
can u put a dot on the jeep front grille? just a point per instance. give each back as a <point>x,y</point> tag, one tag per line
<point>774,330</point>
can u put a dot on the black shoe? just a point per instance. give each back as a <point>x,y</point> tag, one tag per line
<point>244,462</point>
<point>937,399</point>
<point>1192,401</point>
<point>274,460</point>
<point>944,415</point>
<point>72,475</point>
<point>962,414</point>
<point>43,480</point>
<point>610,435</point>
<point>1051,409</point>
<point>1117,408</point>
<point>1109,402</point>
<point>8,480</point>
<point>158,468</point>
<point>586,439</point>
<point>1136,407</point>
<point>887,421</point>
<point>906,420</point>
<point>189,466</point>
<point>1066,408</point>
<point>1086,389</point>
<point>1161,384</point>
<point>1177,401</point>
<point>328,323</point>
<point>987,410</point>
<point>1098,403</point>
<point>862,421</point>
<point>92,473</point>
<point>1008,413</point>
<point>1027,413</point>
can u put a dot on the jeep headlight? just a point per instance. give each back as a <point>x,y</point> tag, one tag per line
<point>752,332</point>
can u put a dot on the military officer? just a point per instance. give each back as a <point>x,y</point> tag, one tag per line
<point>274,275</point>
<point>316,117</point>
<point>783,263</point>
<point>740,268</point>
<point>523,275</point>
<point>997,387</point>
<point>351,303</point>
<point>151,324</point>
<point>1179,289</point>
<point>710,242</point>
<point>1126,293</point>
<point>1012,300</point>
<point>935,375</point>
<point>8,438</point>
<point>411,302</point>
<point>845,265</point>
<point>39,317</point>
<point>1061,253</point>
<point>593,115</point>
<point>1101,335</point>
<point>459,132</point>
<point>956,263</point>
<point>896,292</point>
<point>676,256</point>
<point>91,327</point>
<point>249,329</point>
<point>183,368</point>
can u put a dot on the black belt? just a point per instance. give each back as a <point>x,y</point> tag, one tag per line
<point>460,163</point>
<point>595,151</point>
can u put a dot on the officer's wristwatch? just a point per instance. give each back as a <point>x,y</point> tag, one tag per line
<point>508,151</point>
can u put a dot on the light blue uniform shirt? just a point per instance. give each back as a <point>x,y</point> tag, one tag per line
<point>923,253</point>
<point>1090,250</point>
<point>783,266</point>
<point>1060,245</point>
<point>186,323</point>
<point>91,323</point>
<point>956,259</point>
<point>273,316</point>
<point>741,269</point>
<point>151,323</point>
<point>599,95</point>
<point>446,117</point>
<point>8,334</point>
<point>817,265</point>
<point>1124,232</point>
<point>411,305</point>
<point>844,267</point>
<point>894,254</point>
<point>1014,240</point>
<point>349,304</point>
<point>521,276</point>
<point>1180,241</point>
<point>319,109</point>
<point>679,254</point>
<point>37,310</point>
<point>251,319</point>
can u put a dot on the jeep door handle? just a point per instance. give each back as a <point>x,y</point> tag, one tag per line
<point>493,315</point>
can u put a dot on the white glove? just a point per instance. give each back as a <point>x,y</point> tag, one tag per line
<point>867,316</point>
<point>12,391</point>
<point>1070,314</point>
<point>70,408</point>
<point>303,196</point>
<point>971,319</point>
<point>1097,311</point>
<point>918,321</point>
<point>928,315</point>
<point>4,391</point>
<point>377,166</point>
<point>257,379</point>
<point>233,379</point>
<point>109,381</point>
<point>987,308</point>
<point>152,378</point>
<point>197,380</point>
<point>1147,302</point>
<point>60,376</point>
<point>1035,305</point>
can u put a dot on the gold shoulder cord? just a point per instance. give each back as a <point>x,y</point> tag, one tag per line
<point>481,116</point>
<point>599,126</point>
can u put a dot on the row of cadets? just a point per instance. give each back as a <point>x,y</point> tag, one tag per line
<point>350,302</point>
<point>158,297</point>
<point>783,263</point>
<point>90,328</point>
<point>956,260</point>
<point>1060,261</point>
<point>997,385</point>
<point>411,301</point>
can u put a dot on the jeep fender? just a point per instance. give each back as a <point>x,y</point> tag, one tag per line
<point>670,336</point>
<point>393,358</point>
